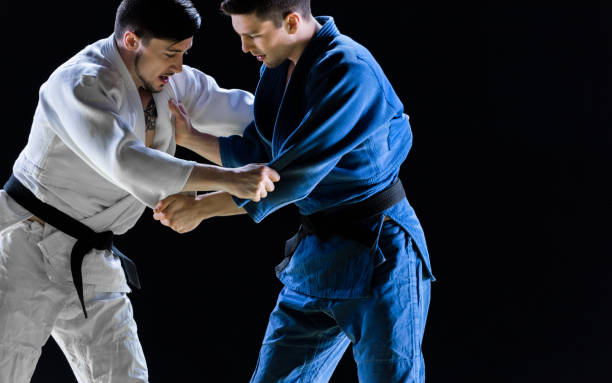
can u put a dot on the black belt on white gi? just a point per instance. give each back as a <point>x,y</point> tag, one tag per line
<point>345,221</point>
<point>87,239</point>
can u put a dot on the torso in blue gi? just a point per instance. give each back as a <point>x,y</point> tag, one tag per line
<point>337,134</point>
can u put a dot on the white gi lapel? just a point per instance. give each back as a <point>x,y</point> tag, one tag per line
<point>109,50</point>
<point>164,135</point>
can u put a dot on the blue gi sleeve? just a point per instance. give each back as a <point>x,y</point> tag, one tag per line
<point>238,151</point>
<point>345,103</point>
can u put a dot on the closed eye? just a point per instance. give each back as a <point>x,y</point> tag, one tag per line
<point>174,54</point>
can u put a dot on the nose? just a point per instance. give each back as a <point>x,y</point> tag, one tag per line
<point>246,44</point>
<point>177,65</point>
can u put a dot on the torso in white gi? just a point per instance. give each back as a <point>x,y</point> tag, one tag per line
<point>86,155</point>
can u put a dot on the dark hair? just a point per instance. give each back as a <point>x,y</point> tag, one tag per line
<point>274,10</point>
<point>174,20</point>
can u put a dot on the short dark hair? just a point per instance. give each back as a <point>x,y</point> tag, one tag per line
<point>274,10</point>
<point>174,20</point>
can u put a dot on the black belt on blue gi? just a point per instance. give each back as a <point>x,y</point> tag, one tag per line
<point>346,221</point>
<point>87,239</point>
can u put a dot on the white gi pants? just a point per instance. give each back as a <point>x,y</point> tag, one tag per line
<point>37,300</point>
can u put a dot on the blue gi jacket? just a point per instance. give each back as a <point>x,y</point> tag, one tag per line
<point>336,135</point>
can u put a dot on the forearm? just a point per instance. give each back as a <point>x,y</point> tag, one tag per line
<point>203,144</point>
<point>218,204</point>
<point>252,181</point>
<point>206,178</point>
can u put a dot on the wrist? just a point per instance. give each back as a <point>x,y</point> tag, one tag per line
<point>224,178</point>
<point>203,208</point>
<point>183,139</point>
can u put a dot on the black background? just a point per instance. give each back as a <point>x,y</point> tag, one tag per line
<point>509,106</point>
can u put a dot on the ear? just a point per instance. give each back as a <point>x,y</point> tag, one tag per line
<point>131,41</point>
<point>292,22</point>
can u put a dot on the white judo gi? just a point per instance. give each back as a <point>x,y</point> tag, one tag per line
<point>86,156</point>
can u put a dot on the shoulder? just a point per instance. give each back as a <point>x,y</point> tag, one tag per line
<point>88,71</point>
<point>344,59</point>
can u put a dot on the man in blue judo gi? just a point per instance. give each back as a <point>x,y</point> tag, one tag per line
<point>328,121</point>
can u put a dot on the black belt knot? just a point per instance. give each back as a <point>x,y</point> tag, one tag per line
<point>103,240</point>
<point>87,239</point>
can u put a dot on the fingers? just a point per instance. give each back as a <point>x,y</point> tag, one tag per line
<point>177,109</point>
<point>158,216</point>
<point>173,107</point>
<point>167,219</point>
<point>174,212</point>
<point>162,218</point>
<point>265,185</point>
<point>254,182</point>
<point>268,185</point>
<point>273,175</point>
<point>163,204</point>
<point>268,172</point>
<point>161,210</point>
<point>262,193</point>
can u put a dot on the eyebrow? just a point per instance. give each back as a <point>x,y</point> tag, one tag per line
<point>174,50</point>
<point>249,34</point>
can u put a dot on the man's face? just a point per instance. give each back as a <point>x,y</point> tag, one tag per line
<point>156,61</point>
<point>262,39</point>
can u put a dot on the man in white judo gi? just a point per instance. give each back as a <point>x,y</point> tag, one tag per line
<point>99,151</point>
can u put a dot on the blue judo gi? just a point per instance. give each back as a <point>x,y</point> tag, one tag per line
<point>337,135</point>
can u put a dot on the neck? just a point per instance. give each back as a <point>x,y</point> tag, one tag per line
<point>307,32</point>
<point>128,58</point>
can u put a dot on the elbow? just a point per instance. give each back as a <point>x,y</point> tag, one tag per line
<point>123,167</point>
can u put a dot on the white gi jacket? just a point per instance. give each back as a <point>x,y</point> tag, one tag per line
<point>86,155</point>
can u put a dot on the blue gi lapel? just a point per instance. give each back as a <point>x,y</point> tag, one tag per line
<point>284,109</point>
<point>268,98</point>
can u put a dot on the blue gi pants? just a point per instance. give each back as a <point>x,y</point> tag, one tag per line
<point>306,336</point>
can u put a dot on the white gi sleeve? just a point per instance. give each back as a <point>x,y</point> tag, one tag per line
<point>84,112</point>
<point>212,109</point>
